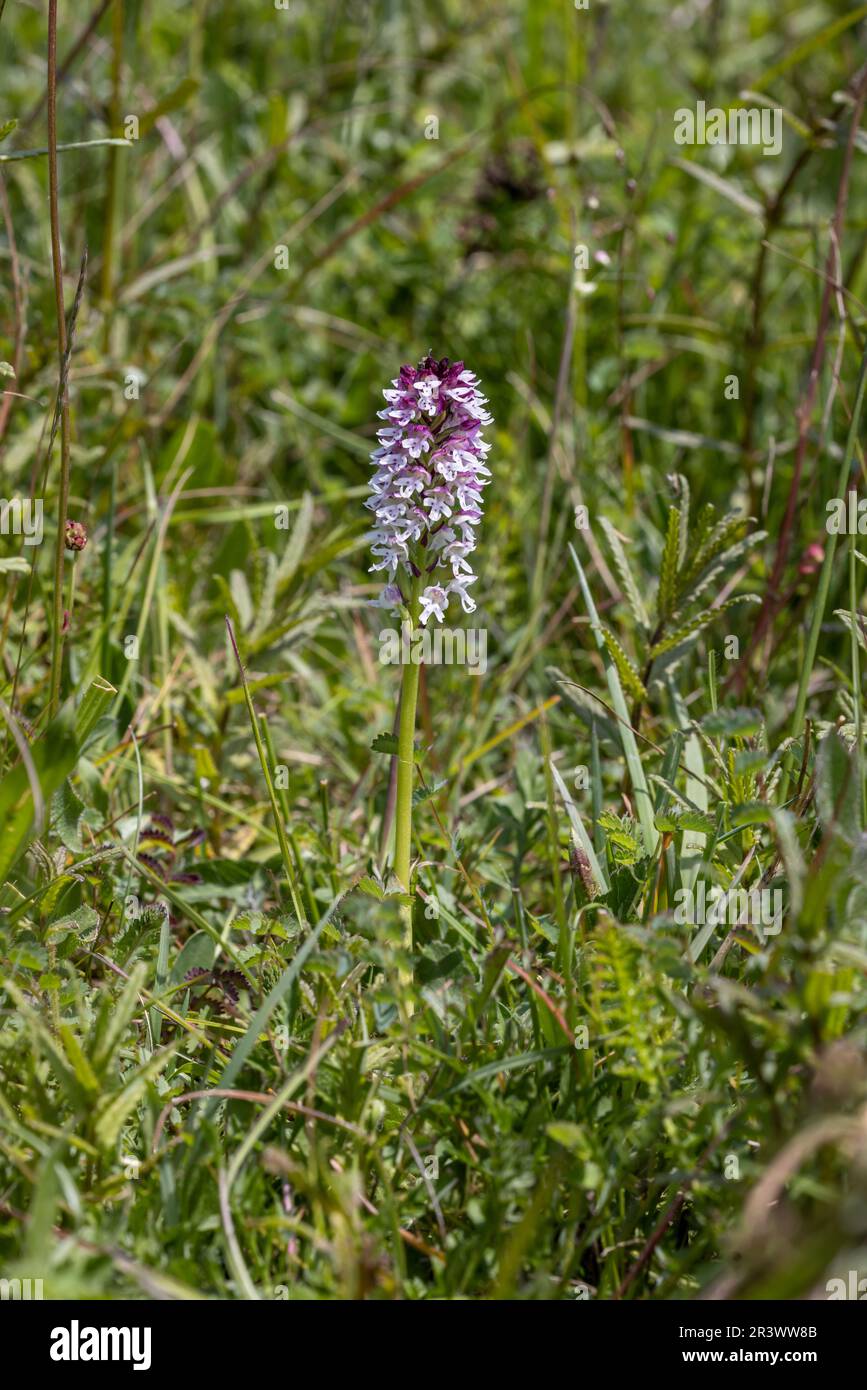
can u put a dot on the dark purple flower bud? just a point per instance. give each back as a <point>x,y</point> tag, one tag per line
<point>76,535</point>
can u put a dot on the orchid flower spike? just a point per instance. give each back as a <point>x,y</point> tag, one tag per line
<point>426,489</point>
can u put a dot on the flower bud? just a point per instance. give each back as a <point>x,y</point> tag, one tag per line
<point>76,535</point>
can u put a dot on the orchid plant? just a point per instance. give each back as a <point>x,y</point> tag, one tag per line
<point>426,497</point>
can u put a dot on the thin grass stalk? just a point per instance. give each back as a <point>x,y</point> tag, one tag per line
<point>107,576</point>
<point>405,777</point>
<point>57,266</point>
<point>854,638</point>
<point>824,578</point>
<point>643,800</point>
<point>553,840</point>
<point>582,839</point>
<point>111,199</point>
<point>300,865</point>
<point>161,521</point>
<point>266,773</point>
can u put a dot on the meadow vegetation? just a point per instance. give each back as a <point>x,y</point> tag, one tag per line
<point>224,1072</point>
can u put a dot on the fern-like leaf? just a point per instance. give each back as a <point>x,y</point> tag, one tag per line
<point>625,575</point>
<point>625,669</point>
<point>626,1006</point>
<point>692,590</point>
<point>680,491</point>
<point>713,542</point>
<point>697,624</point>
<point>667,596</point>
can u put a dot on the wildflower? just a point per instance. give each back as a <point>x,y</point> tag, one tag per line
<point>811,559</point>
<point>433,600</point>
<point>426,497</point>
<point>426,489</point>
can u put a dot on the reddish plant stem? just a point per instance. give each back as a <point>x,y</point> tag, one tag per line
<point>63,488</point>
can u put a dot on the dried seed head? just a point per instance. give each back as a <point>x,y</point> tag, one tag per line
<point>580,865</point>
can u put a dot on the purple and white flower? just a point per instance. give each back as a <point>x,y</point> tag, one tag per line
<point>426,489</point>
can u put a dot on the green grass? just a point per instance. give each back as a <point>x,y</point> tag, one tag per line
<point>224,1072</point>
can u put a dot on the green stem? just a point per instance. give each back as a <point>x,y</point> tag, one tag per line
<point>405,774</point>
<point>266,773</point>
<point>70,590</point>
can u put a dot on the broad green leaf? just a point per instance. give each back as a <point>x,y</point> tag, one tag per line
<point>67,808</point>
<point>297,543</point>
<point>94,702</point>
<point>421,794</point>
<point>114,1018</point>
<point>83,924</point>
<point>172,101</point>
<point>807,47</point>
<point>571,1136</point>
<point>53,757</point>
<point>112,1113</point>
<point>196,954</point>
<point>732,723</point>
<point>725,187</point>
<point>80,1064</point>
<point>838,796</point>
<point>384,743</point>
